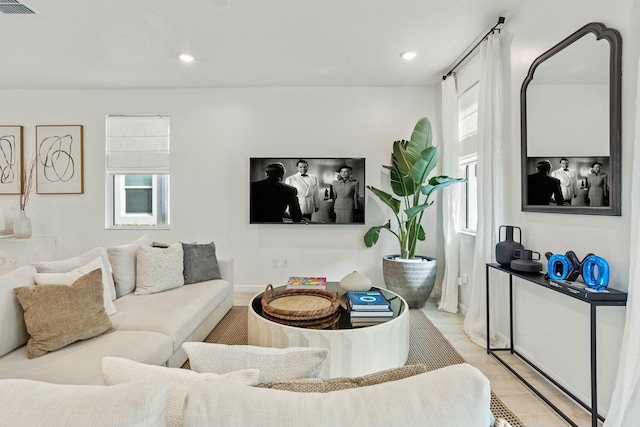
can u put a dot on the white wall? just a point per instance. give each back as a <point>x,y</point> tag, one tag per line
<point>213,134</point>
<point>551,329</point>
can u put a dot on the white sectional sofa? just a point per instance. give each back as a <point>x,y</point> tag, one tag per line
<point>146,328</point>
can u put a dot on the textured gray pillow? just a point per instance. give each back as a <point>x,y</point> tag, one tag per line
<point>200,263</point>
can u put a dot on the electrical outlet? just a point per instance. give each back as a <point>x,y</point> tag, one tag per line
<point>275,263</point>
<point>285,262</point>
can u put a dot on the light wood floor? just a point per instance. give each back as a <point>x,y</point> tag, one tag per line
<point>524,403</point>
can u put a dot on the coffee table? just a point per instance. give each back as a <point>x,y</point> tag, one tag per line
<point>352,351</point>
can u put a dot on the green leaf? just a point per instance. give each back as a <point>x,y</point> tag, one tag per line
<point>424,165</point>
<point>415,210</point>
<point>420,140</point>
<point>387,198</point>
<point>401,182</point>
<point>439,182</point>
<point>371,236</point>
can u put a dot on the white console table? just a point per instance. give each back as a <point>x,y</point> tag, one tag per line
<point>15,253</point>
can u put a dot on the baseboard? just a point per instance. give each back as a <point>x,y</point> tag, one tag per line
<point>248,288</point>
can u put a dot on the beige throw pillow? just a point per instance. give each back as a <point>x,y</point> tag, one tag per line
<point>117,370</point>
<point>318,385</point>
<point>159,269</point>
<point>57,316</point>
<point>73,275</point>
<point>274,364</point>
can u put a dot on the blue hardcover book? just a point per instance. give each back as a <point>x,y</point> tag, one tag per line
<point>367,300</point>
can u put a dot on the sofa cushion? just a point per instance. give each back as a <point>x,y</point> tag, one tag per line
<point>123,264</point>
<point>62,266</point>
<point>118,371</point>
<point>27,403</point>
<point>274,364</point>
<point>176,313</point>
<point>457,395</point>
<point>13,333</point>
<point>200,263</point>
<point>159,269</point>
<point>80,362</point>
<point>319,385</point>
<point>73,275</point>
<point>60,315</point>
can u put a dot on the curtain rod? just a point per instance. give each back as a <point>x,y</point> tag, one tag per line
<point>495,27</point>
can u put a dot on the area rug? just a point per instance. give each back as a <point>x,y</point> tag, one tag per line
<point>426,345</point>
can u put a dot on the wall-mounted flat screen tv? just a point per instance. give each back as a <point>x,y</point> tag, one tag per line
<point>306,190</point>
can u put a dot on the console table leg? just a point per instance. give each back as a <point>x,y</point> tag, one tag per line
<point>487,292</point>
<point>594,371</point>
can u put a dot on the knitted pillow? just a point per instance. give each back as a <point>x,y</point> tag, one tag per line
<point>117,370</point>
<point>318,385</point>
<point>274,364</point>
<point>57,316</point>
<point>159,269</point>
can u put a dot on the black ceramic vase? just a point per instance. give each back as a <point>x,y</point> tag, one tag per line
<point>505,248</point>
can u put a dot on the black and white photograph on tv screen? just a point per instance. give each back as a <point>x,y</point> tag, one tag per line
<point>306,190</point>
<point>568,181</point>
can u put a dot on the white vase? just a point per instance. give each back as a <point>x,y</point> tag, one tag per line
<point>22,226</point>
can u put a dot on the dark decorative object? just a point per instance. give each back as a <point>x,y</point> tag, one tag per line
<point>505,248</point>
<point>524,261</point>
<point>578,77</point>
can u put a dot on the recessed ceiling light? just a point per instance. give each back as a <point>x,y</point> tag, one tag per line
<point>408,55</point>
<point>186,57</point>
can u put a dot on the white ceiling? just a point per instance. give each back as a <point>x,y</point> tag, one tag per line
<point>239,43</point>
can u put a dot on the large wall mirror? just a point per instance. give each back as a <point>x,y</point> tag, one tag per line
<point>570,125</point>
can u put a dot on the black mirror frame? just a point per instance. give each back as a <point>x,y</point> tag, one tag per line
<point>615,122</point>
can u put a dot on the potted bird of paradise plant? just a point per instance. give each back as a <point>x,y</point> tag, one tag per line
<point>407,274</point>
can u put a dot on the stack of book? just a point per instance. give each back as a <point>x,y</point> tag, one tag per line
<point>307,283</point>
<point>368,308</point>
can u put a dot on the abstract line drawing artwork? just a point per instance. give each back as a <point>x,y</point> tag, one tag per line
<point>11,162</point>
<point>60,165</point>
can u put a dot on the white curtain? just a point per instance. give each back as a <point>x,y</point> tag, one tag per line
<point>450,195</point>
<point>625,407</point>
<point>490,205</point>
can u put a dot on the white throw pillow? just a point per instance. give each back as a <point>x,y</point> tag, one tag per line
<point>274,364</point>
<point>117,370</point>
<point>28,403</point>
<point>458,395</point>
<point>71,276</point>
<point>159,269</point>
<point>13,333</point>
<point>123,264</point>
<point>69,264</point>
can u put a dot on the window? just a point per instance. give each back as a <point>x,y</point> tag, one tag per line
<point>137,171</point>
<point>468,133</point>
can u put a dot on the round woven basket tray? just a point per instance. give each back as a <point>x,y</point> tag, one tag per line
<point>329,322</point>
<point>300,305</point>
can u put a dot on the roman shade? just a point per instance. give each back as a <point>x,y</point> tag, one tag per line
<point>138,145</point>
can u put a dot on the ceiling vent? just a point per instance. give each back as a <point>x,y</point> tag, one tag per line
<point>15,7</point>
